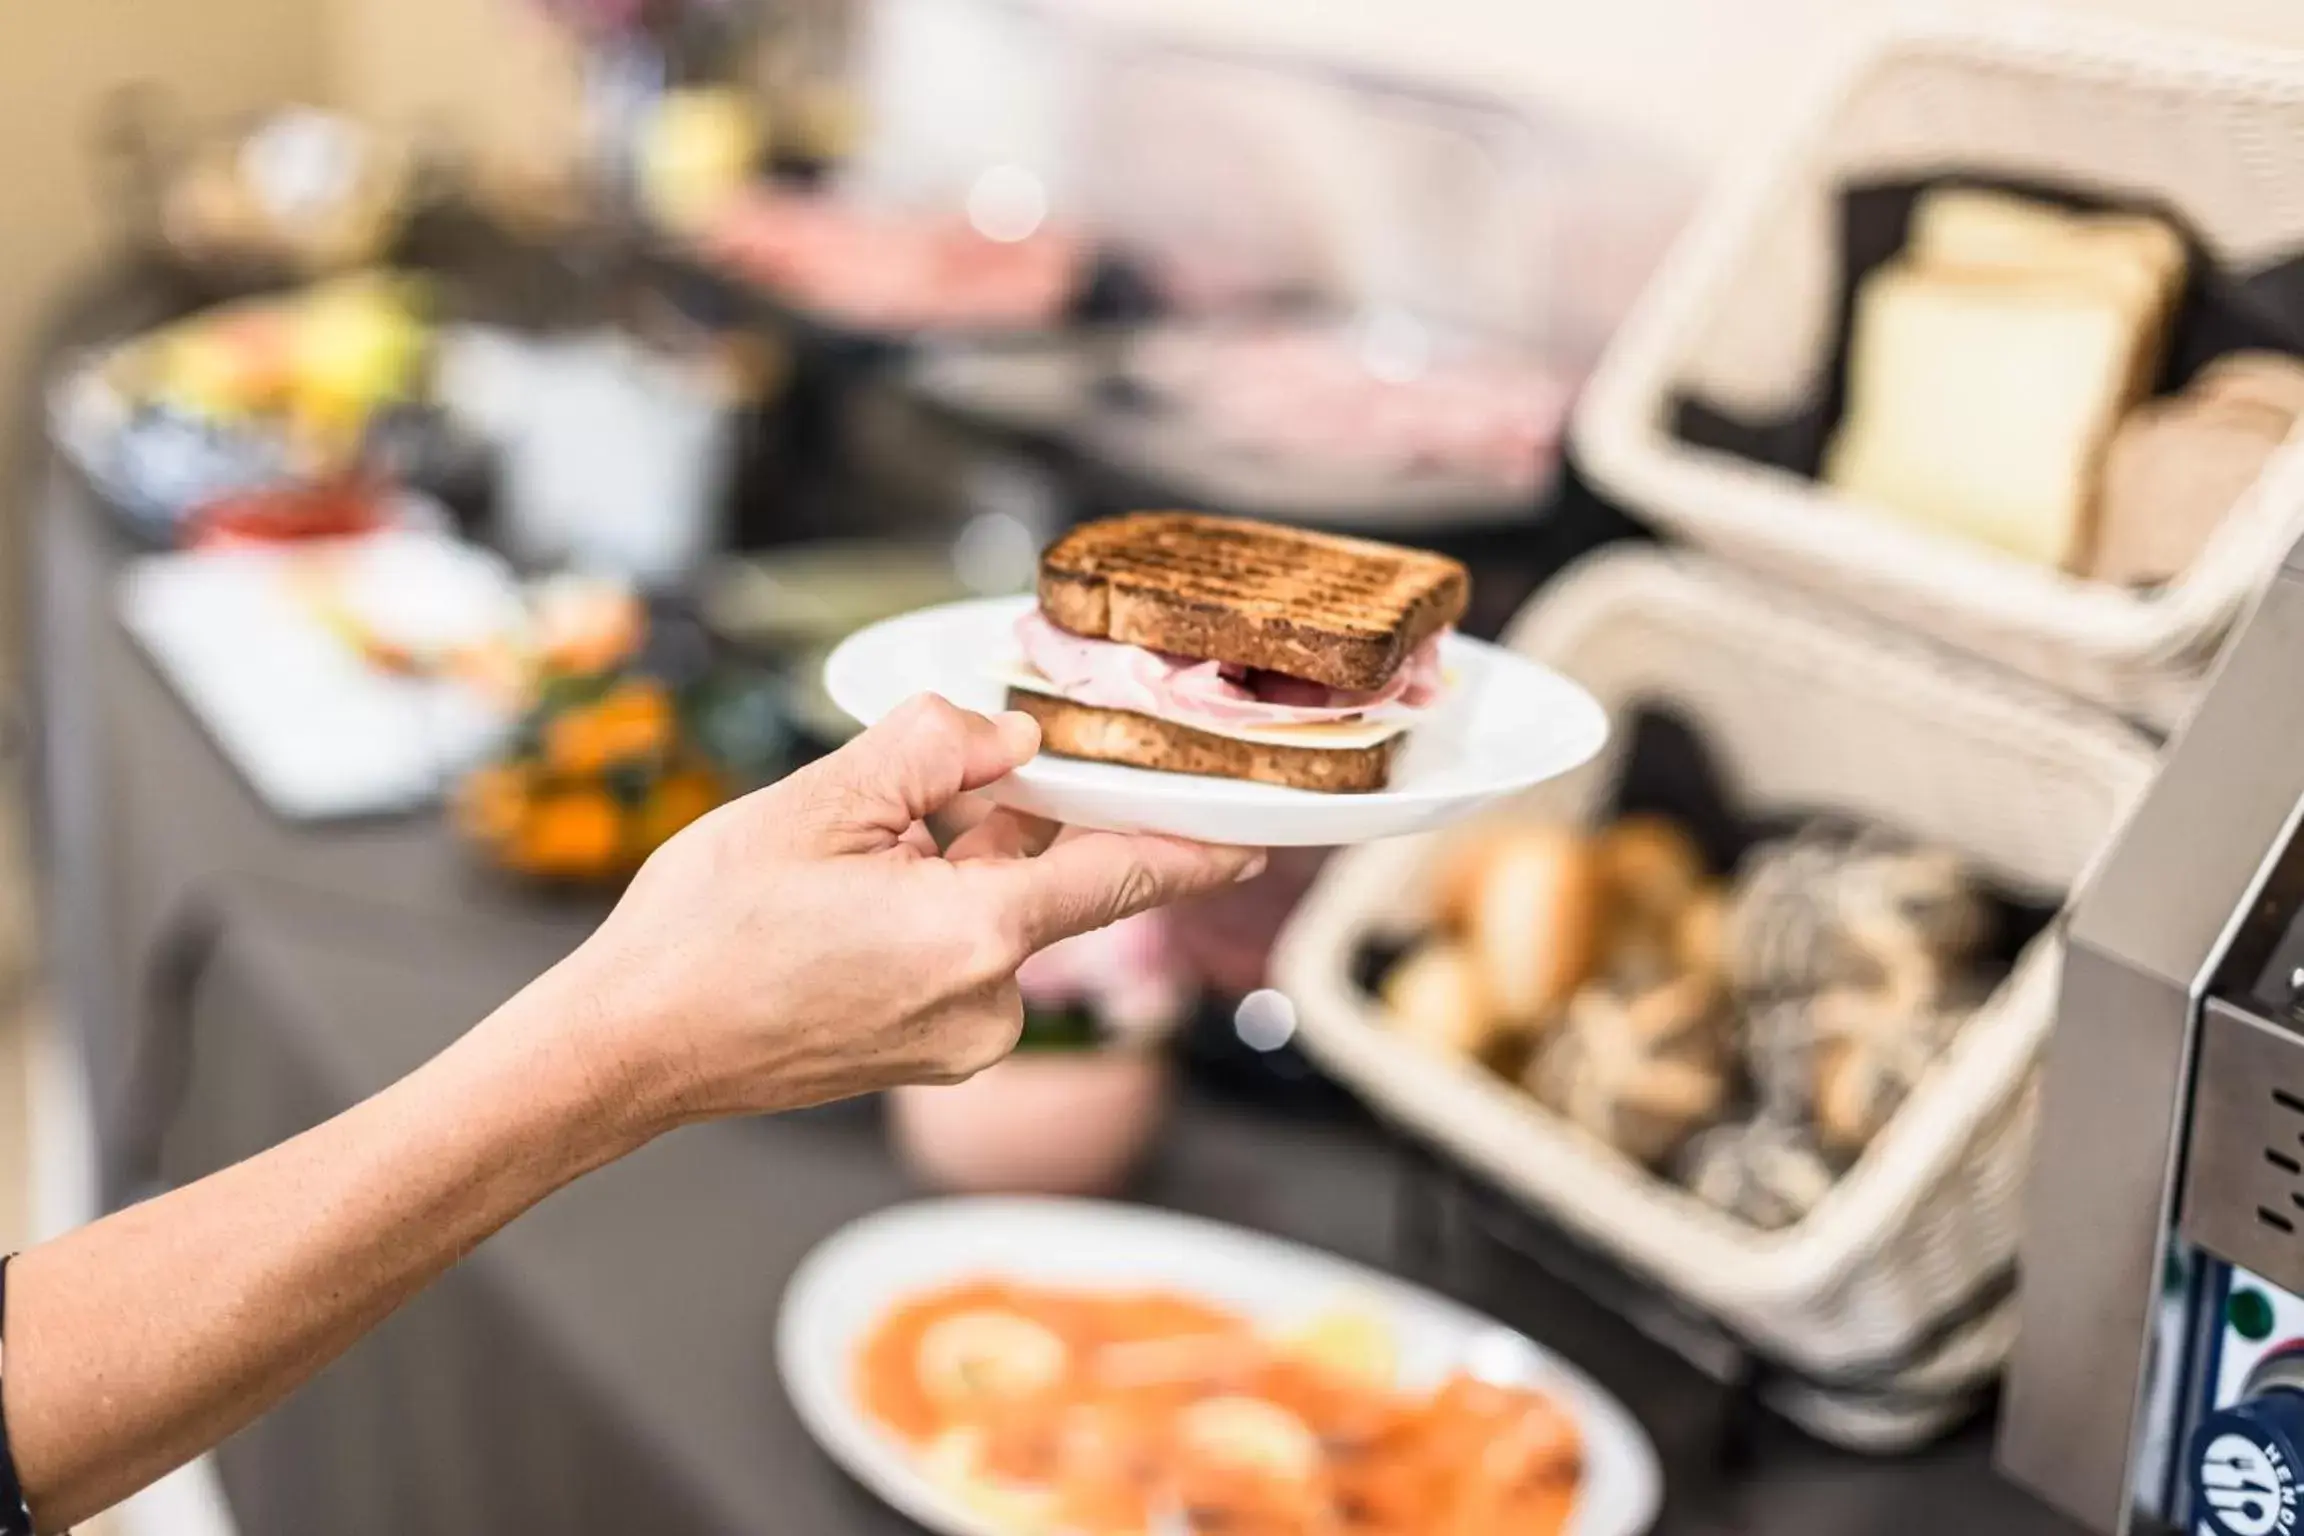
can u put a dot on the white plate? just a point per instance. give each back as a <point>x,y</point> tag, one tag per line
<point>849,1283</point>
<point>1507,724</point>
<point>317,731</point>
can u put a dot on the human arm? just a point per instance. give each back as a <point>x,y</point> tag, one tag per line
<point>804,944</point>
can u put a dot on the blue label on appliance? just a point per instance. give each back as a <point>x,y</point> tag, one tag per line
<point>2245,1466</point>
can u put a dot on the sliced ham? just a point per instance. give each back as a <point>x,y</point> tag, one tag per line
<point>1105,674</point>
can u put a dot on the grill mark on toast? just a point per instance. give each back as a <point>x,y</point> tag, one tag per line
<point>1344,612</point>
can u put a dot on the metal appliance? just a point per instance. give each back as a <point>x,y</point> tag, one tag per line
<point>2158,1383</point>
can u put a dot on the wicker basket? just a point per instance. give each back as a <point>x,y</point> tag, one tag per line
<point>1741,315</point>
<point>1800,711</point>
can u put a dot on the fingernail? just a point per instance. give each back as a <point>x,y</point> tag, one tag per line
<point>1020,731</point>
<point>1250,870</point>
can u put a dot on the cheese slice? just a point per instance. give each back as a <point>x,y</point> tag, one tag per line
<point>1327,736</point>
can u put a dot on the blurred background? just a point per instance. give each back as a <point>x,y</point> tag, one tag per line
<point>446,437</point>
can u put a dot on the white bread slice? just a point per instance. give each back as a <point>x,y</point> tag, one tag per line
<point>2136,256</point>
<point>1955,227</point>
<point>1982,406</point>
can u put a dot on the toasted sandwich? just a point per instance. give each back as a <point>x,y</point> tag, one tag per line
<point>1209,645</point>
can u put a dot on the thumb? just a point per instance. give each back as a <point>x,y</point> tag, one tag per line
<point>1090,880</point>
<point>917,760</point>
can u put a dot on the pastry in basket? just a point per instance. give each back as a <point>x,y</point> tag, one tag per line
<point>1658,895</point>
<point>1531,903</point>
<point>1774,1037</point>
<point>1916,912</point>
<point>1699,934</point>
<point>1534,912</point>
<point>1438,998</point>
<point>1642,1072</point>
<point>1848,949</point>
<point>1752,1038</point>
<point>1208,645</point>
<point>1842,1062</point>
<point>1870,1049</point>
<point>1762,1171</point>
<point>1832,908</point>
<point>1112,1413</point>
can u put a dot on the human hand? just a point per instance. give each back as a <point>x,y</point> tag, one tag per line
<point>810,942</point>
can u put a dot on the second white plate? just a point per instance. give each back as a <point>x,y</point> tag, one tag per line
<point>849,1283</point>
<point>1507,724</point>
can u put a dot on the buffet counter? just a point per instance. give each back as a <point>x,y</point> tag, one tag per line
<point>607,1362</point>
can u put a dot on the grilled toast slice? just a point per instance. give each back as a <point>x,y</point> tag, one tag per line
<point>1331,610</point>
<point>1139,741</point>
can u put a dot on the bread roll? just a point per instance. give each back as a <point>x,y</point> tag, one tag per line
<point>1760,1171</point>
<point>1823,910</point>
<point>1699,937</point>
<point>1436,997</point>
<point>1642,1073</point>
<point>1915,912</point>
<point>1639,956</point>
<point>1870,1051</point>
<point>1780,934</point>
<point>1530,905</point>
<point>1778,1043</point>
<point>1653,869</point>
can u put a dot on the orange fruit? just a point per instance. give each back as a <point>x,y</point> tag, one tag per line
<point>571,834</point>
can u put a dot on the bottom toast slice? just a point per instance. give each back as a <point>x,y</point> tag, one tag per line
<point>1139,741</point>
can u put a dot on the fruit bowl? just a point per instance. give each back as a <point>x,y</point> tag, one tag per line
<point>244,399</point>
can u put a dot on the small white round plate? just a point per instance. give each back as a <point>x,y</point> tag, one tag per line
<point>1507,723</point>
<point>850,1282</point>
